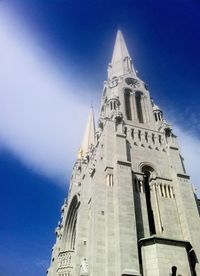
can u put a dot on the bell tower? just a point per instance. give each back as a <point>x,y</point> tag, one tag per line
<point>131,209</point>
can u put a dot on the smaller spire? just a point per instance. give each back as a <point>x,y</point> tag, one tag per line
<point>121,61</point>
<point>89,136</point>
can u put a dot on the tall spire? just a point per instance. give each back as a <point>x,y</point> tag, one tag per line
<point>120,49</point>
<point>89,135</point>
<point>121,61</point>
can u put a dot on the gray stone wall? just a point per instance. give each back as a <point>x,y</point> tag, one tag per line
<point>131,178</point>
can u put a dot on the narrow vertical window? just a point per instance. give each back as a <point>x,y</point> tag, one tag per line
<point>149,204</point>
<point>139,134</point>
<point>153,138</point>
<point>165,190</point>
<point>160,139</point>
<point>127,105</point>
<point>70,227</point>
<point>138,101</point>
<point>146,136</point>
<point>147,171</point>
<point>169,191</point>
<point>111,106</point>
<point>132,133</point>
<point>161,189</point>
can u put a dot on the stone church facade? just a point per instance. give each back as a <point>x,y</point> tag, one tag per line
<point>131,209</point>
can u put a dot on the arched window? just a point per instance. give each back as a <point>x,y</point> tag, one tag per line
<point>127,104</point>
<point>147,170</point>
<point>138,101</point>
<point>174,270</point>
<point>70,225</point>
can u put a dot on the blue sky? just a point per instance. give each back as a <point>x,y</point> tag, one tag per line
<point>53,61</point>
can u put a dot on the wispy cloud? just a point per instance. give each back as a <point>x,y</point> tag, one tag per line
<point>190,149</point>
<point>42,116</point>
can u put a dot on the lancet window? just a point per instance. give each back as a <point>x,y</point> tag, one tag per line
<point>127,99</point>
<point>147,178</point>
<point>70,226</point>
<point>158,115</point>
<point>138,101</point>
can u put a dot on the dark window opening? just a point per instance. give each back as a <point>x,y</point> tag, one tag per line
<point>153,138</point>
<point>165,190</point>
<point>139,134</point>
<point>127,106</point>
<point>132,133</point>
<point>148,201</point>
<point>138,101</point>
<point>174,270</point>
<point>161,189</point>
<point>111,106</point>
<point>192,260</point>
<point>169,192</point>
<point>146,136</point>
<point>155,115</point>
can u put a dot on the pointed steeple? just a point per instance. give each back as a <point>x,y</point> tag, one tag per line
<point>121,61</point>
<point>89,136</point>
<point>120,49</point>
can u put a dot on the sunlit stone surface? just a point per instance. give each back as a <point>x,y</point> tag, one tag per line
<point>131,209</point>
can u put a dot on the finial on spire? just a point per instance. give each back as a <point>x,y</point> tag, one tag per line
<point>89,136</point>
<point>121,61</point>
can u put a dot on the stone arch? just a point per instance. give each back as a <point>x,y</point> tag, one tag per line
<point>69,234</point>
<point>149,165</point>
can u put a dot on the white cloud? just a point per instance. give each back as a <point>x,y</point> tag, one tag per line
<point>190,149</point>
<point>42,117</point>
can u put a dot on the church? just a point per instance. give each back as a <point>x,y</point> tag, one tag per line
<point>131,209</point>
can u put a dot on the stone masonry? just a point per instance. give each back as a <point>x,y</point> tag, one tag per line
<point>131,209</point>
